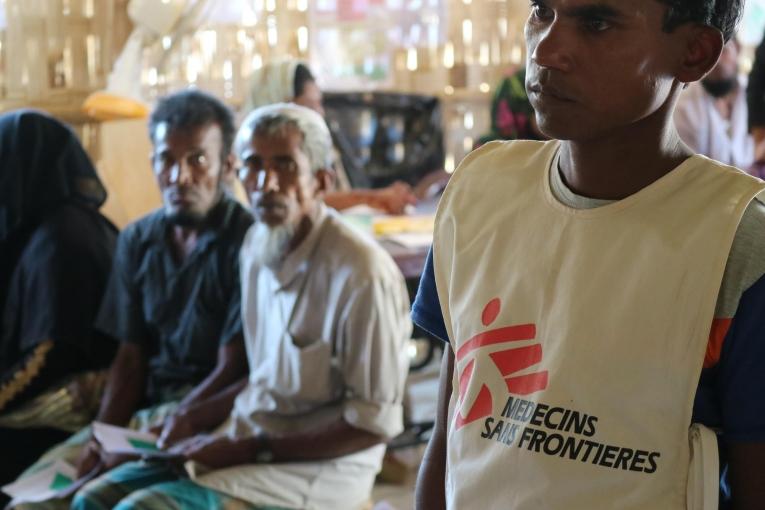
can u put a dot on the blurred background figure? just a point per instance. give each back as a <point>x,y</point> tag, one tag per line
<point>55,254</point>
<point>284,80</point>
<point>512,116</point>
<point>711,115</point>
<point>292,81</point>
<point>755,98</point>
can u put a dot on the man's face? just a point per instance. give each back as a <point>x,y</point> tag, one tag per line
<point>595,66</point>
<point>278,179</point>
<point>189,168</point>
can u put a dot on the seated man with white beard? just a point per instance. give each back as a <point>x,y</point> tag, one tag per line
<point>325,314</point>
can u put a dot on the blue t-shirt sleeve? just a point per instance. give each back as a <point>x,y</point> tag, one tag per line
<point>426,310</point>
<point>741,381</point>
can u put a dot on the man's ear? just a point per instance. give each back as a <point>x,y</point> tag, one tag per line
<point>702,51</point>
<point>325,181</point>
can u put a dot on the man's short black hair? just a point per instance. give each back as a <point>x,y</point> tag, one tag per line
<point>723,15</point>
<point>192,109</point>
<point>303,76</point>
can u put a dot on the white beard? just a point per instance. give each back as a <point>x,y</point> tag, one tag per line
<point>268,245</point>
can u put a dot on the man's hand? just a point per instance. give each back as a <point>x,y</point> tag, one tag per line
<point>746,474</point>
<point>215,452</point>
<point>110,461</point>
<point>93,460</point>
<point>177,427</point>
<point>89,458</point>
<point>393,199</point>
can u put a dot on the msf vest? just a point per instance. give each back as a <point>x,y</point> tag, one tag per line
<point>579,335</point>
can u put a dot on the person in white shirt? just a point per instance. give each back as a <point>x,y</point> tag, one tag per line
<point>711,115</point>
<point>325,313</point>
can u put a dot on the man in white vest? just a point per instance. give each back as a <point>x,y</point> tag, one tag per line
<point>602,293</point>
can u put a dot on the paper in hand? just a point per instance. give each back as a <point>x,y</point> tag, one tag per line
<point>122,441</point>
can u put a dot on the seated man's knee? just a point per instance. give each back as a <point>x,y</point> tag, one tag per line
<point>111,488</point>
<point>143,499</point>
<point>94,496</point>
<point>170,495</point>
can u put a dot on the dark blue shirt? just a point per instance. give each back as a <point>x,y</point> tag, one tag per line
<point>182,313</point>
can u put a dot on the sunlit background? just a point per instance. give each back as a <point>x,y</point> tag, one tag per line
<point>54,53</point>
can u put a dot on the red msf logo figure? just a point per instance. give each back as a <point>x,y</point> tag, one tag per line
<point>509,362</point>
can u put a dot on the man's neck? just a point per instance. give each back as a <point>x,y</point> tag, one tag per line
<point>620,165</point>
<point>301,232</point>
<point>183,240</point>
<point>183,237</point>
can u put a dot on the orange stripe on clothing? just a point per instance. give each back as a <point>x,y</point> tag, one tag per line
<point>717,335</point>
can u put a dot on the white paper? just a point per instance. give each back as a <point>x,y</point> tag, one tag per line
<point>48,483</point>
<point>121,440</point>
<point>124,441</point>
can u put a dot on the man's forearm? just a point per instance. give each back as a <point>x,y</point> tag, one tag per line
<point>430,490</point>
<point>746,474</point>
<point>344,199</point>
<point>216,382</point>
<point>211,412</point>
<point>231,367</point>
<point>335,440</point>
<point>125,386</point>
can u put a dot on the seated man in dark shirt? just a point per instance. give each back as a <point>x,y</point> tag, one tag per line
<point>173,299</point>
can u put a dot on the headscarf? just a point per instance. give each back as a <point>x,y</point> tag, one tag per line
<point>511,111</point>
<point>272,83</point>
<point>42,165</point>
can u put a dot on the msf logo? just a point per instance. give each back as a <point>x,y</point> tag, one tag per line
<point>509,362</point>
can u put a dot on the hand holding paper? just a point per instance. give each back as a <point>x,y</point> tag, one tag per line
<point>122,441</point>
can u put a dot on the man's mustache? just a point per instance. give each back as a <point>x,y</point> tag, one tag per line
<point>185,193</point>
<point>271,201</point>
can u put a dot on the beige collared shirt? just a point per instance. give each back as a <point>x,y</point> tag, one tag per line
<point>325,336</point>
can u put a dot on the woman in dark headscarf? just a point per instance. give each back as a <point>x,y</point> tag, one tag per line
<point>55,255</point>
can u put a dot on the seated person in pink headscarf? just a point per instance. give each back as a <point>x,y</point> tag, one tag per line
<point>292,81</point>
<point>512,116</point>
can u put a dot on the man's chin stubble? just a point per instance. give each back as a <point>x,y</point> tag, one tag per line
<point>185,218</point>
